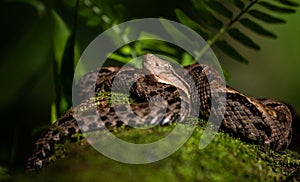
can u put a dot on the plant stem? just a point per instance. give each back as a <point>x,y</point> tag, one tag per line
<point>222,31</point>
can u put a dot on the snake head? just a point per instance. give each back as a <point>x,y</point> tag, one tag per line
<point>163,72</point>
<point>155,65</point>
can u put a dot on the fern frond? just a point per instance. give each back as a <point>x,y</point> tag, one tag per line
<point>242,38</point>
<point>265,17</point>
<point>256,28</point>
<point>289,3</point>
<point>214,20</point>
<point>220,18</point>
<point>276,8</point>
<point>192,24</point>
<point>220,8</point>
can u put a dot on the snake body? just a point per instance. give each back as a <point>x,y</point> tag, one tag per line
<point>261,121</point>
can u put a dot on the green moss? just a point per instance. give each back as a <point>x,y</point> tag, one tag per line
<point>117,98</point>
<point>224,159</point>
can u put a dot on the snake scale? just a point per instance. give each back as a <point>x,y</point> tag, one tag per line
<point>261,121</point>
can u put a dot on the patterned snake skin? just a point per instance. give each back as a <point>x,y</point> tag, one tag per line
<point>261,121</point>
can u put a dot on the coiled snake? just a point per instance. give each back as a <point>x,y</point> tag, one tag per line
<point>261,121</point>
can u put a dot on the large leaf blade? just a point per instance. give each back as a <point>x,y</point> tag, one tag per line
<point>61,34</point>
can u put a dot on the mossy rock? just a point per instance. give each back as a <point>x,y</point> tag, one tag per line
<point>224,159</point>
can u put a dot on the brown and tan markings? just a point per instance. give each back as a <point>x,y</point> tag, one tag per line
<point>261,121</point>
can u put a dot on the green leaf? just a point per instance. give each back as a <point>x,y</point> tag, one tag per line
<point>61,34</point>
<point>187,59</point>
<point>53,113</point>
<point>206,15</point>
<point>93,21</point>
<point>242,38</point>
<point>276,8</point>
<point>63,63</point>
<point>183,18</point>
<point>220,8</point>
<point>153,44</point>
<point>289,3</point>
<point>238,3</point>
<point>256,28</point>
<point>120,58</point>
<point>265,17</point>
<point>230,51</point>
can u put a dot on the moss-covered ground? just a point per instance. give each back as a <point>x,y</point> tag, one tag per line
<point>224,159</point>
